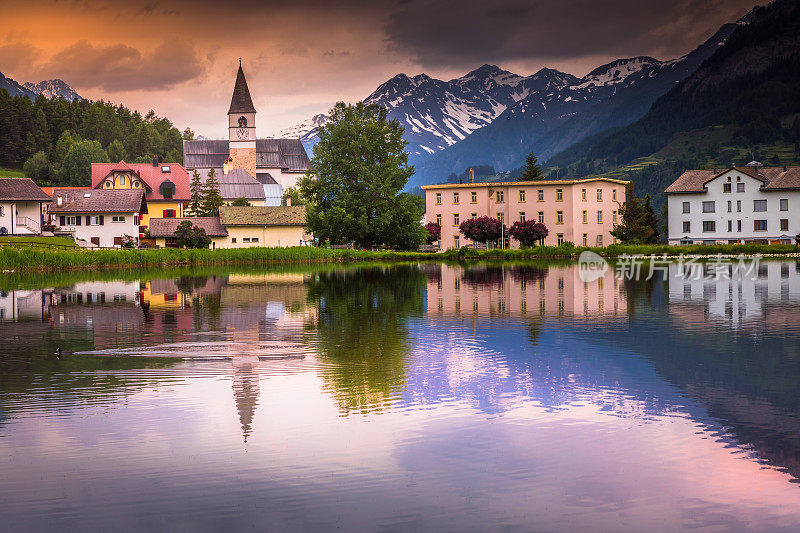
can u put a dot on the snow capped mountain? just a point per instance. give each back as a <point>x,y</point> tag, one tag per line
<point>14,88</point>
<point>437,114</point>
<point>53,89</point>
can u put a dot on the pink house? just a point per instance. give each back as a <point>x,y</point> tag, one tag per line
<point>581,211</point>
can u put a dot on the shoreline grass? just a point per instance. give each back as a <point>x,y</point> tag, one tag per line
<point>43,260</point>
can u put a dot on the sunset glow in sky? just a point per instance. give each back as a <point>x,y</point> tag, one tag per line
<point>179,58</point>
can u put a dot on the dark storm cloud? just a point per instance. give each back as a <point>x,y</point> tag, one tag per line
<point>457,32</point>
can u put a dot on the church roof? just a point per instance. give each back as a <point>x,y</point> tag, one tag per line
<point>241,102</point>
<point>286,154</point>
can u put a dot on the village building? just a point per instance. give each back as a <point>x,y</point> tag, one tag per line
<point>99,217</point>
<point>750,204</point>
<point>21,203</point>
<point>163,231</point>
<point>580,211</point>
<point>273,164</point>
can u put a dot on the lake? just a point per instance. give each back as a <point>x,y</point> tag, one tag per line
<point>431,397</point>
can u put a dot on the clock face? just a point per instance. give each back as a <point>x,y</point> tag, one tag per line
<point>241,133</point>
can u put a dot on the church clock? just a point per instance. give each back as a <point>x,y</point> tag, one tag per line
<point>241,133</point>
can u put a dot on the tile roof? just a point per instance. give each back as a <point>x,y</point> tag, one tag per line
<point>99,201</point>
<point>152,176</point>
<point>241,102</point>
<point>165,227</point>
<point>49,190</point>
<point>21,190</point>
<point>774,179</point>
<point>263,216</point>
<point>239,183</point>
<point>286,154</point>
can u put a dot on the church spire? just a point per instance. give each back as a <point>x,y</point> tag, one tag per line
<point>241,102</point>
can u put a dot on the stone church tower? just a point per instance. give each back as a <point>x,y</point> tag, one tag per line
<point>242,127</point>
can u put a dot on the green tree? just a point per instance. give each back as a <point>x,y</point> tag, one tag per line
<point>38,168</point>
<point>191,236</point>
<point>532,170</point>
<point>77,167</point>
<point>651,221</point>
<point>116,151</point>
<point>212,200</point>
<point>295,195</point>
<point>174,156</point>
<point>196,199</point>
<point>241,202</point>
<point>63,144</point>
<point>355,180</point>
<point>636,223</point>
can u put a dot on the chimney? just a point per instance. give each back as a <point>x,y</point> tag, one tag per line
<point>785,168</point>
<point>155,160</point>
<point>471,176</point>
<point>288,201</point>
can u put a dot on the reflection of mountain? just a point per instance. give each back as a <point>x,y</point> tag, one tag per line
<point>363,332</point>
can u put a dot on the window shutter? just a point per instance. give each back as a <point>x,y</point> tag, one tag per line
<point>101,219</point>
<point>88,220</point>
<point>61,220</point>
<point>164,213</point>
<point>77,220</point>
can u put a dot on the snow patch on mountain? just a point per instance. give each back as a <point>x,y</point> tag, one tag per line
<point>53,89</point>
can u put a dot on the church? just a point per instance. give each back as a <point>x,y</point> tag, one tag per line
<point>244,159</point>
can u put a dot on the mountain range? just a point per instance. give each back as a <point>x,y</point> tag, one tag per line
<point>494,117</point>
<point>49,88</point>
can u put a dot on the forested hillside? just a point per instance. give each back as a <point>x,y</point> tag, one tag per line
<point>56,140</point>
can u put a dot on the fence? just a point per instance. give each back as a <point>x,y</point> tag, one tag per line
<point>34,244</point>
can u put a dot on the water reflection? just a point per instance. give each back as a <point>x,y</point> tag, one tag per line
<point>496,396</point>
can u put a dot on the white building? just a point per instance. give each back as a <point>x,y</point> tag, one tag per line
<point>100,217</point>
<point>735,205</point>
<point>21,206</point>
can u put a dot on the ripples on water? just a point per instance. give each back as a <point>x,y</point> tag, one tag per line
<point>428,397</point>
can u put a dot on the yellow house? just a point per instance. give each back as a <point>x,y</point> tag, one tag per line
<point>270,226</point>
<point>163,230</point>
<point>167,186</point>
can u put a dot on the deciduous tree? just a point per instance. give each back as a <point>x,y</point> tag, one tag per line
<point>482,229</point>
<point>528,233</point>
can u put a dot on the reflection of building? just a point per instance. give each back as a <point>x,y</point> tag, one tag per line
<point>245,391</point>
<point>21,305</point>
<point>736,293</point>
<point>522,291</point>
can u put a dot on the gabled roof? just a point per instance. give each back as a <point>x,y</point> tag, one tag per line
<point>165,227</point>
<point>241,102</point>
<point>122,166</point>
<point>49,190</point>
<point>239,183</point>
<point>21,190</point>
<point>152,176</point>
<point>99,201</point>
<point>286,154</point>
<point>263,216</point>
<point>772,178</point>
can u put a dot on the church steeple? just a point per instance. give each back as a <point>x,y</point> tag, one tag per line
<point>241,102</point>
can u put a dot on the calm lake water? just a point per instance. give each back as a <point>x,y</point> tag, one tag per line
<point>419,397</point>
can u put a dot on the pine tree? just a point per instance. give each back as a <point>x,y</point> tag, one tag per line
<point>196,201</point>
<point>651,222</point>
<point>212,200</point>
<point>532,170</point>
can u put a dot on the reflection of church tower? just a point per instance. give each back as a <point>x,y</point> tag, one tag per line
<point>242,127</point>
<point>245,391</point>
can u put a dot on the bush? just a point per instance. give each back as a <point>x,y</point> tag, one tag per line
<point>191,236</point>
<point>434,232</point>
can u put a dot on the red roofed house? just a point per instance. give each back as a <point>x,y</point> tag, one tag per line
<point>167,186</point>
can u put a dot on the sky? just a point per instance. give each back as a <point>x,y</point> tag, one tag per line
<point>179,58</point>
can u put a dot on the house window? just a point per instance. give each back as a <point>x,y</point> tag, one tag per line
<point>599,240</point>
<point>583,194</point>
<point>474,197</point>
<point>94,221</point>
<point>709,225</point>
<point>740,187</point>
<point>730,206</point>
<point>246,239</point>
<point>726,187</point>
<point>585,218</point>
<point>438,198</point>
<point>614,194</point>
<point>500,217</point>
<point>455,197</point>
<point>559,195</point>
<point>759,225</point>
<point>71,221</point>
<point>168,213</point>
<point>137,184</point>
<point>540,195</point>
<point>135,220</point>
<point>540,215</point>
<point>614,217</point>
<point>457,241</point>
<point>687,207</point>
<point>738,206</point>
<point>499,198</point>
<point>439,219</point>
<point>687,226</point>
<point>599,195</point>
<point>739,225</point>
<point>559,217</point>
<point>473,216</point>
<point>456,219</point>
<point>784,224</point>
<point>759,206</point>
<point>254,239</point>
<point>559,238</point>
<point>522,216</point>
<point>784,204</point>
<point>599,217</point>
<point>122,179</point>
<point>233,240</point>
<point>117,218</point>
<point>107,184</point>
<point>522,195</point>
<point>730,225</point>
<point>585,239</point>
<point>1,210</point>
<point>709,207</point>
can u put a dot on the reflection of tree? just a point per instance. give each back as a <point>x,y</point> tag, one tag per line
<point>189,284</point>
<point>362,331</point>
<point>638,292</point>
<point>483,275</point>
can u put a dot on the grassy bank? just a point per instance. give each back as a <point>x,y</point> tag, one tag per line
<point>42,260</point>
